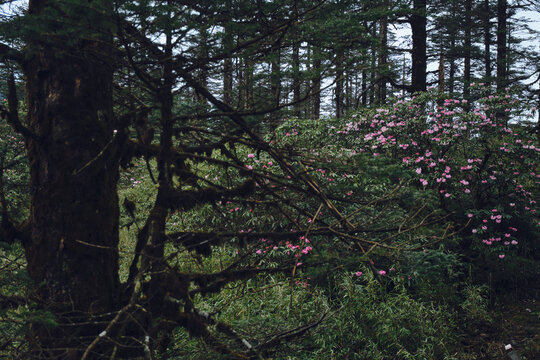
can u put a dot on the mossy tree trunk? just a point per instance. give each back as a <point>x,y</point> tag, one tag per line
<point>72,255</point>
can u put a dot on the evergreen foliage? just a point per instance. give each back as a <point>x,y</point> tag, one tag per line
<point>171,188</point>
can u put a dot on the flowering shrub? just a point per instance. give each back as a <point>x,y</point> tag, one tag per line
<point>404,177</point>
<point>482,166</point>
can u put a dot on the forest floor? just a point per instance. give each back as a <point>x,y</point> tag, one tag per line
<point>516,323</point>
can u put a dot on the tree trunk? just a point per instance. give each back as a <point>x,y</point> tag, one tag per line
<point>418,23</point>
<point>308,108</point>
<point>72,257</point>
<point>403,74</point>
<point>316,83</point>
<point>348,91</point>
<point>383,56</point>
<point>487,40</point>
<point>296,78</point>
<point>228,44</point>
<point>339,83</point>
<point>364,86</point>
<point>502,73</point>
<point>373,67</point>
<point>241,83</point>
<point>364,72</point>
<point>452,71</point>
<point>441,72</point>
<point>228,70</point>
<point>275,89</point>
<point>357,91</point>
<point>467,51</point>
<point>249,80</point>
<point>245,78</point>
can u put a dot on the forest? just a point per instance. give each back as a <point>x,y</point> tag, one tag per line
<point>258,179</point>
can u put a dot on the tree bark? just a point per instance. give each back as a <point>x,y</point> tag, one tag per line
<point>228,44</point>
<point>418,22</point>
<point>502,73</point>
<point>452,70</point>
<point>364,83</point>
<point>383,56</point>
<point>441,72</point>
<point>364,72</point>
<point>467,51</point>
<point>249,81</point>
<point>348,91</point>
<point>72,255</point>
<point>316,83</point>
<point>228,69</point>
<point>373,67</point>
<point>487,40</point>
<point>339,83</point>
<point>296,78</point>
<point>275,89</point>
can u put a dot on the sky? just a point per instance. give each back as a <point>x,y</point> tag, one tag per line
<point>534,23</point>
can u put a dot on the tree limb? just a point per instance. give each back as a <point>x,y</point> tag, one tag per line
<point>13,113</point>
<point>9,53</point>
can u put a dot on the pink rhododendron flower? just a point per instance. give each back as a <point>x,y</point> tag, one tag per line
<point>307,249</point>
